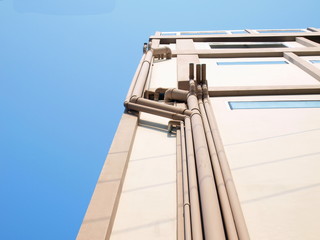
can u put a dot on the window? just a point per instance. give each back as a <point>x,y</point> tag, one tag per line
<point>315,61</point>
<point>274,104</point>
<point>239,32</point>
<point>281,31</point>
<point>168,34</point>
<point>201,33</point>
<point>247,45</point>
<point>252,63</point>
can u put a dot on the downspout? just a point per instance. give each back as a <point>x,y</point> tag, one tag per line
<point>186,200</point>
<point>226,172</point>
<point>231,231</point>
<point>193,184</point>
<point>133,83</point>
<point>211,215</point>
<point>179,184</point>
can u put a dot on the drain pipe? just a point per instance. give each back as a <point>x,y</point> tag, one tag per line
<point>159,112</point>
<point>231,231</point>
<point>175,94</point>
<point>193,184</point>
<point>179,179</point>
<point>211,215</point>
<point>137,103</point>
<point>226,172</point>
<point>143,74</point>
<point>134,80</point>
<point>186,200</point>
<point>150,103</point>
<point>161,52</point>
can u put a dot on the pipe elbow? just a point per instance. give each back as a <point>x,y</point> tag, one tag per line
<point>162,51</point>
<point>168,94</point>
<point>125,104</point>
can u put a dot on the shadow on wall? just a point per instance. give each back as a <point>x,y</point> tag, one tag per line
<point>64,7</point>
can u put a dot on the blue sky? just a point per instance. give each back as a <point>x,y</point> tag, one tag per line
<point>65,67</point>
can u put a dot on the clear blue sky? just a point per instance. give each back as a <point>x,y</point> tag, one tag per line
<point>65,67</point>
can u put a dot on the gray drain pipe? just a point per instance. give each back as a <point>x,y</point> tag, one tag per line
<point>231,231</point>
<point>211,215</point>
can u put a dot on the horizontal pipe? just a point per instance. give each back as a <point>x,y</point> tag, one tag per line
<point>158,112</point>
<point>154,104</point>
<point>176,94</point>
<point>186,200</point>
<point>225,168</point>
<point>193,184</point>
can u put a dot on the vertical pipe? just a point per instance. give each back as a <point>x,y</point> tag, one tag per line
<point>231,231</point>
<point>193,185</point>
<point>141,80</point>
<point>180,205</point>
<point>134,79</point>
<point>186,200</point>
<point>230,187</point>
<point>211,215</point>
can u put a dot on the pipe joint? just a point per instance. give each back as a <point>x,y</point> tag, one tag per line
<point>194,113</point>
<point>161,52</point>
<point>187,112</point>
<point>199,92</point>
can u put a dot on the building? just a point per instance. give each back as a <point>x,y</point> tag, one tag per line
<point>220,140</point>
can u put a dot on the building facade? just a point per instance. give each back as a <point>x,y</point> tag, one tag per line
<point>220,139</point>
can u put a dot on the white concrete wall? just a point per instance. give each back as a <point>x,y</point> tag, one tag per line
<point>274,156</point>
<point>255,75</point>
<point>164,74</point>
<point>147,208</point>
